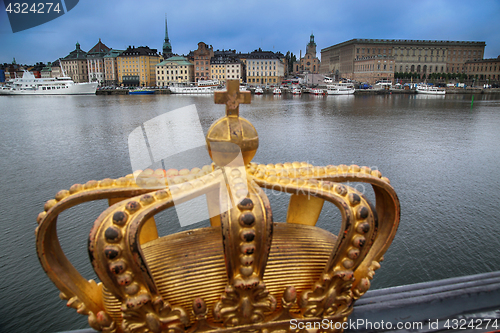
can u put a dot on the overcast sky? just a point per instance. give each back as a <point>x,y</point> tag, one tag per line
<point>273,25</point>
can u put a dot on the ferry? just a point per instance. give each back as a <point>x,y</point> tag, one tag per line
<point>341,88</point>
<point>430,90</point>
<point>30,85</point>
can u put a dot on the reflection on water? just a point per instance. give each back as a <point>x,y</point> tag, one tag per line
<point>440,154</point>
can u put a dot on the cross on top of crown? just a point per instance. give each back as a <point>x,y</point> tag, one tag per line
<point>233,97</point>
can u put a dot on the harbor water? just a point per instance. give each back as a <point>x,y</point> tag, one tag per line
<point>441,154</point>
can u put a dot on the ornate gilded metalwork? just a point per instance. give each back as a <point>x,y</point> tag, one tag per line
<point>244,273</point>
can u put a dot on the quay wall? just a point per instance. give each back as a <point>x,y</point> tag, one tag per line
<point>469,91</point>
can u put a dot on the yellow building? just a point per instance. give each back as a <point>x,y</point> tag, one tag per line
<point>137,66</point>
<point>264,67</point>
<point>226,65</point>
<point>174,70</point>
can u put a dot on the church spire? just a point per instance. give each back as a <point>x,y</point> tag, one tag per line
<point>167,47</point>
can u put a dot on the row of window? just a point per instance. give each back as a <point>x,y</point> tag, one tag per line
<point>223,77</point>
<point>371,67</point>
<point>261,74</point>
<point>171,78</point>
<point>222,71</point>
<point>262,80</point>
<point>402,51</point>
<point>253,62</point>
<point>54,88</point>
<point>172,72</point>
<point>492,68</point>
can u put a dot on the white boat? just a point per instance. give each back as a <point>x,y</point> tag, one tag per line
<point>430,90</point>
<point>296,91</point>
<point>277,91</point>
<point>383,84</point>
<point>201,87</point>
<point>30,85</point>
<point>317,92</point>
<point>259,91</point>
<point>341,88</point>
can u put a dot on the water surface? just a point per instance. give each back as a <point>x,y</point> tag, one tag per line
<point>440,154</point>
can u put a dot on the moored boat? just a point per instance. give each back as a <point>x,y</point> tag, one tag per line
<point>141,92</point>
<point>383,84</point>
<point>30,85</point>
<point>201,87</point>
<point>317,92</point>
<point>259,91</point>
<point>430,90</point>
<point>277,91</point>
<point>341,88</point>
<point>296,91</point>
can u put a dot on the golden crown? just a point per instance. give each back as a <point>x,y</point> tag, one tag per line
<point>244,273</point>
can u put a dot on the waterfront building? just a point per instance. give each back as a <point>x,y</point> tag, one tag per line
<point>309,63</point>
<point>174,70</point>
<point>136,66</point>
<point>56,69</point>
<point>374,68</point>
<point>36,70</point>
<point>226,65</point>
<point>484,70</point>
<point>414,56</point>
<point>2,75</point>
<point>111,67</point>
<point>46,72</point>
<point>264,67</point>
<point>95,62</point>
<point>167,47</point>
<point>75,65</point>
<point>201,58</point>
<point>13,70</point>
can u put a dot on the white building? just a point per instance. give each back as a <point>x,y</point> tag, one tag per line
<point>174,70</point>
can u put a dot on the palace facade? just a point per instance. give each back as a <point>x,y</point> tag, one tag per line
<point>414,56</point>
<point>483,70</point>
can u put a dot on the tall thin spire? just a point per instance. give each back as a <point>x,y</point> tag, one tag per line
<point>167,47</point>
